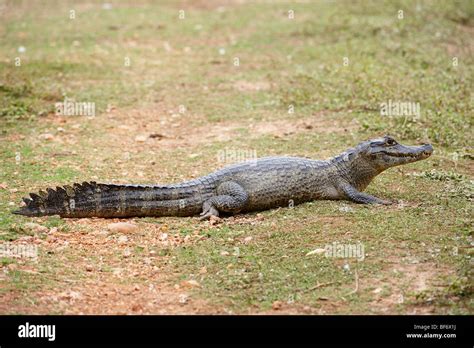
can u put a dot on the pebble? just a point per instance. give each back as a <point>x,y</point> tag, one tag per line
<point>214,220</point>
<point>140,138</point>
<point>46,136</point>
<point>122,239</point>
<point>190,283</point>
<point>36,228</point>
<point>122,227</point>
<point>183,298</point>
<point>247,240</point>
<point>277,305</point>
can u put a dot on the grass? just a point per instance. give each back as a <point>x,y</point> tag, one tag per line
<point>420,250</point>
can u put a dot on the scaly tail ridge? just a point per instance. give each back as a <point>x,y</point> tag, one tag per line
<point>91,199</point>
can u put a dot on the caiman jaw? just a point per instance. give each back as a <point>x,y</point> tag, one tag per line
<point>416,153</point>
<point>401,154</point>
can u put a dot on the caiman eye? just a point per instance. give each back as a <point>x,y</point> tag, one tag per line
<point>390,142</point>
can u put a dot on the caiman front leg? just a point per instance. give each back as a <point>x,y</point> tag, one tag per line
<point>231,198</point>
<point>360,197</point>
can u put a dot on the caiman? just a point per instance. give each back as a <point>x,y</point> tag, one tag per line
<point>253,185</point>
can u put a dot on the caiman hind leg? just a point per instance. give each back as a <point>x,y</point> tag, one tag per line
<point>360,197</point>
<point>231,198</point>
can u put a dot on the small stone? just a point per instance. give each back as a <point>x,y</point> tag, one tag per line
<point>147,261</point>
<point>75,295</point>
<point>247,240</point>
<point>214,220</point>
<point>190,283</point>
<point>122,227</point>
<point>377,291</point>
<point>122,239</point>
<point>140,138</point>
<point>183,298</point>
<point>46,136</point>
<point>137,308</point>
<point>89,268</point>
<point>35,228</point>
<point>277,305</point>
<point>224,253</point>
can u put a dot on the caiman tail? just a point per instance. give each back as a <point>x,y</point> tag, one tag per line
<point>91,199</point>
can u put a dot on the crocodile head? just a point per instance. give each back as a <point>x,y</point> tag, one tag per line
<point>386,152</point>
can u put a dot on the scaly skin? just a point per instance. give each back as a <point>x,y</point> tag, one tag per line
<point>249,186</point>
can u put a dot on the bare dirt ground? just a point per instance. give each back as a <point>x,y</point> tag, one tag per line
<point>104,258</point>
<point>97,271</point>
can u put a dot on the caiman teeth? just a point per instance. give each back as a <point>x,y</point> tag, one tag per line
<point>407,154</point>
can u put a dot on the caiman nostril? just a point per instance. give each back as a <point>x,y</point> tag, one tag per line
<point>428,149</point>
